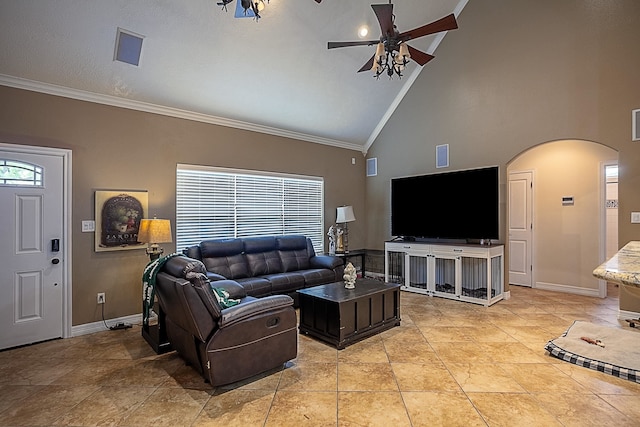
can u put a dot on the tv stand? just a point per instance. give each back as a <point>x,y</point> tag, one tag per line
<point>464,272</point>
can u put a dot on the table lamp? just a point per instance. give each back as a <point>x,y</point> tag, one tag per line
<point>344,215</point>
<point>154,231</point>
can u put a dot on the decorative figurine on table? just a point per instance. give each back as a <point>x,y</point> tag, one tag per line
<point>332,240</point>
<point>340,240</point>
<point>350,276</point>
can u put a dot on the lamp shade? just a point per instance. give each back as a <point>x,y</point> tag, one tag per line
<point>344,214</point>
<point>154,231</point>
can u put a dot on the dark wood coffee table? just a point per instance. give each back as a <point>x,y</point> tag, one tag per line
<point>342,316</point>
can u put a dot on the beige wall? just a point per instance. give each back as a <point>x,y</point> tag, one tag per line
<point>114,148</point>
<point>518,73</point>
<point>567,239</point>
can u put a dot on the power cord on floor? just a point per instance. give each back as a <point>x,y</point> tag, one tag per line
<point>117,326</point>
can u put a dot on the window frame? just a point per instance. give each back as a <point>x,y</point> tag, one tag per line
<point>238,200</point>
<point>35,181</point>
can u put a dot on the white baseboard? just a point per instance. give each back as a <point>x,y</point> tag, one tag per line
<point>90,328</point>
<point>623,314</point>
<point>568,289</point>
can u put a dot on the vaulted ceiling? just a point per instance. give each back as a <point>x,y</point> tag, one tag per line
<point>274,76</point>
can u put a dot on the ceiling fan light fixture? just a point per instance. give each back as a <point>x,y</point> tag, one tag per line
<point>380,51</point>
<point>404,51</point>
<point>392,53</point>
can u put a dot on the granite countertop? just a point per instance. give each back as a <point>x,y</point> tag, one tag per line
<point>623,267</point>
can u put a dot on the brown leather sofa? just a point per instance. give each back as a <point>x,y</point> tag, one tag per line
<point>224,345</point>
<point>269,265</point>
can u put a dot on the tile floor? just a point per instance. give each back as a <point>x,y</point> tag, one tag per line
<point>449,364</point>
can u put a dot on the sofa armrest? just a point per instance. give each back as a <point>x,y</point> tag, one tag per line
<point>235,289</point>
<point>193,252</point>
<point>214,277</point>
<point>325,261</point>
<point>243,311</point>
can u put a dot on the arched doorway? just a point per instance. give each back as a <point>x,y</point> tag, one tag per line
<point>567,217</point>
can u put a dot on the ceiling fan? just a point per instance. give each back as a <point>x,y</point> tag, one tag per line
<point>255,6</point>
<point>393,52</point>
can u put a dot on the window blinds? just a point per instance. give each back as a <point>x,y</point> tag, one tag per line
<point>214,203</point>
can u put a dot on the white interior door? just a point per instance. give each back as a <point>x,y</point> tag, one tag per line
<point>520,213</point>
<point>31,266</point>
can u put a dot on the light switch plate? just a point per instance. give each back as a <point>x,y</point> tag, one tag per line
<point>635,217</point>
<point>88,226</point>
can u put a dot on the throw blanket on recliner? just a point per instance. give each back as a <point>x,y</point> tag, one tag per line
<point>149,284</point>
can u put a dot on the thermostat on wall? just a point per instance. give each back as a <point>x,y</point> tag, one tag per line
<point>567,201</point>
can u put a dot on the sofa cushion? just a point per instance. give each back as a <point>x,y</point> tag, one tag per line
<point>231,267</point>
<point>254,245</point>
<point>261,255</point>
<point>318,276</point>
<point>286,282</point>
<point>221,247</point>
<point>294,253</point>
<point>264,263</point>
<point>294,260</point>
<point>256,286</point>
<point>225,257</point>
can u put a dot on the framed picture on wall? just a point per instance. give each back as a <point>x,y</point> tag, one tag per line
<point>118,215</point>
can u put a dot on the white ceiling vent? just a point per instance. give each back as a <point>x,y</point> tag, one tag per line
<point>635,127</point>
<point>128,47</point>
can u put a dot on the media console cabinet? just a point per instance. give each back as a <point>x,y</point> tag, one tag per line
<point>470,273</point>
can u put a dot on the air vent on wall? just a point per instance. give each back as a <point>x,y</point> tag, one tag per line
<point>372,166</point>
<point>635,126</point>
<point>128,47</point>
<point>442,156</point>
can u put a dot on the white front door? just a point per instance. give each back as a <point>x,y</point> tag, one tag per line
<point>31,247</point>
<point>520,217</point>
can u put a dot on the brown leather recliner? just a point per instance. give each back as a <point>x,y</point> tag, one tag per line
<point>224,345</point>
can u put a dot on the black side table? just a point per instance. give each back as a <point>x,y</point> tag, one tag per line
<point>361,253</point>
<point>156,335</point>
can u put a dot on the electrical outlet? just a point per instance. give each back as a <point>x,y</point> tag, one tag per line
<point>101,298</point>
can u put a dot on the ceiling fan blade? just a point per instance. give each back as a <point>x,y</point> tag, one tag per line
<point>443,24</point>
<point>333,45</point>
<point>419,56</point>
<point>367,66</point>
<point>384,12</point>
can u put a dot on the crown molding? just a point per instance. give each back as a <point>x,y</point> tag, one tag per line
<point>114,101</point>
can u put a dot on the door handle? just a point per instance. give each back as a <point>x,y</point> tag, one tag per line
<point>55,261</point>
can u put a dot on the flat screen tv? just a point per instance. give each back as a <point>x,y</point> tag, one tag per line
<point>459,205</point>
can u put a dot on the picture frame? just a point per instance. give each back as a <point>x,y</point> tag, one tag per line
<point>118,214</point>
